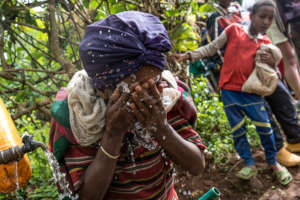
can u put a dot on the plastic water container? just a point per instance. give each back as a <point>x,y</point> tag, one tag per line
<point>14,174</point>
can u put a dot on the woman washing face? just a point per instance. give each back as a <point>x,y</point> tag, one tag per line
<point>129,120</point>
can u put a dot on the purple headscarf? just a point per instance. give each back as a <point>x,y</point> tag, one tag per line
<point>121,44</point>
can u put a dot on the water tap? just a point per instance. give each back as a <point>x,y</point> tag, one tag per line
<point>17,152</point>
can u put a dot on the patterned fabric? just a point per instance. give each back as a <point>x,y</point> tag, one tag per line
<point>120,44</point>
<point>150,177</point>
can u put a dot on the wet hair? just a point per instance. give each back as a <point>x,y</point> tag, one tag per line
<point>261,3</point>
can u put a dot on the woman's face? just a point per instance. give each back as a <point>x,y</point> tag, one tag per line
<point>262,19</point>
<point>140,77</point>
<point>143,75</point>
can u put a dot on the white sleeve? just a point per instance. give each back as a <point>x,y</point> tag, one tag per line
<point>209,49</point>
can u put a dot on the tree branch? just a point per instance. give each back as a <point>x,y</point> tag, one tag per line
<point>2,57</point>
<point>8,76</point>
<point>54,42</point>
<point>34,70</point>
<point>29,109</point>
<point>30,5</point>
<point>28,25</point>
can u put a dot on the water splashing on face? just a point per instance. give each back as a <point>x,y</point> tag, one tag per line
<point>123,87</point>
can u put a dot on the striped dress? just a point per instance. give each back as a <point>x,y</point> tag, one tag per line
<point>149,176</point>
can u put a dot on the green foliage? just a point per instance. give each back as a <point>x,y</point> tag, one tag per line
<point>212,124</point>
<point>187,35</point>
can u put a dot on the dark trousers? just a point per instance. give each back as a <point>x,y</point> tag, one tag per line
<point>282,106</point>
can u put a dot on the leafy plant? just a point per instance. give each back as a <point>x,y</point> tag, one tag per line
<point>212,124</point>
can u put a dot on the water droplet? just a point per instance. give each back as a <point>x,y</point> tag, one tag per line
<point>108,30</point>
<point>105,45</point>
<point>100,32</point>
<point>164,137</point>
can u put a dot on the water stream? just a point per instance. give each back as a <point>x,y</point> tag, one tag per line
<point>17,176</point>
<point>60,178</point>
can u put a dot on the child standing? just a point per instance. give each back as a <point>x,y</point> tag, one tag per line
<point>242,44</point>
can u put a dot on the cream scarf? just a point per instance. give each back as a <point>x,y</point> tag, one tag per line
<point>87,110</point>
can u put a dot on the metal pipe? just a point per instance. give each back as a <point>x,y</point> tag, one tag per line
<point>17,152</point>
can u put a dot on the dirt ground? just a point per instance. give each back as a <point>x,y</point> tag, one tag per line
<point>222,176</point>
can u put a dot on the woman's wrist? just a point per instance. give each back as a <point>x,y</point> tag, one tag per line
<point>112,142</point>
<point>163,131</point>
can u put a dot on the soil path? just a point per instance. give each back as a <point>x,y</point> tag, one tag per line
<point>263,187</point>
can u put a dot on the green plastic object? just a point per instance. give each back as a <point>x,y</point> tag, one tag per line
<point>198,68</point>
<point>212,194</point>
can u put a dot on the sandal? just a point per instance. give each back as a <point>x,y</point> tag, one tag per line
<point>283,176</point>
<point>246,173</point>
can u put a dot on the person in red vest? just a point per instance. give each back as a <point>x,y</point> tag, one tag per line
<point>280,103</point>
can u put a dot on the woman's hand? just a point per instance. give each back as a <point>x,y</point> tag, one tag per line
<point>268,58</point>
<point>119,119</point>
<point>148,108</point>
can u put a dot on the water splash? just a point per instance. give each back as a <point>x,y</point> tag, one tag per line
<point>143,137</point>
<point>60,178</point>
